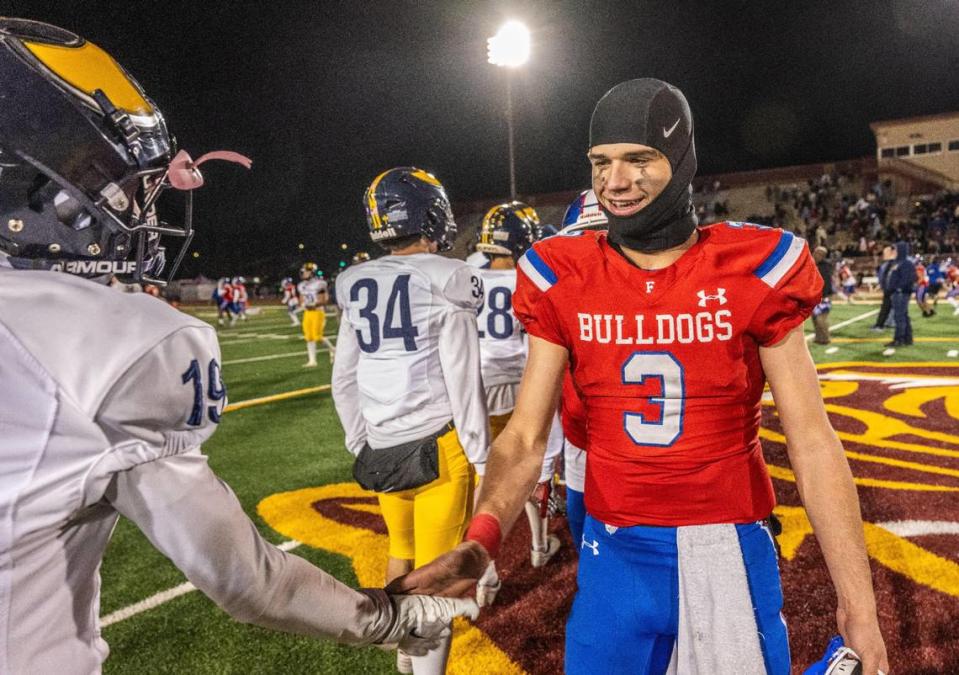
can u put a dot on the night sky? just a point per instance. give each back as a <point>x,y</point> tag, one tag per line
<point>325,95</point>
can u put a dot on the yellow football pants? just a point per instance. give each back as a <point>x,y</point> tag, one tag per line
<point>314,321</point>
<point>426,522</point>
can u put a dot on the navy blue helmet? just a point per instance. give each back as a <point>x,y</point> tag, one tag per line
<point>507,229</point>
<point>85,157</point>
<point>407,201</point>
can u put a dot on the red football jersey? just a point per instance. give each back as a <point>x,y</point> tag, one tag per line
<point>573,413</point>
<point>667,363</point>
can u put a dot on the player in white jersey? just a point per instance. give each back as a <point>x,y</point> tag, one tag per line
<point>504,236</point>
<point>291,299</point>
<point>314,296</point>
<point>107,397</point>
<point>406,381</point>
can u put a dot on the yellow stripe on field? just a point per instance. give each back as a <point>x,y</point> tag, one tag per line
<point>886,339</point>
<point>887,548</point>
<point>916,466</point>
<point>879,429</point>
<point>877,364</point>
<point>263,400</point>
<point>915,562</point>
<point>472,650</point>
<point>782,473</point>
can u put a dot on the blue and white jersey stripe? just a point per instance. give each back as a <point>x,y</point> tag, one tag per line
<point>781,260</point>
<point>537,270</point>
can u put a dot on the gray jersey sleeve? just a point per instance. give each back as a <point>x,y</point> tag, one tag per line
<point>346,396</point>
<point>168,400</point>
<point>459,353</point>
<point>194,519</point>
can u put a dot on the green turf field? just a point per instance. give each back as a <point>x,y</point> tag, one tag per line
<point>297,443</point>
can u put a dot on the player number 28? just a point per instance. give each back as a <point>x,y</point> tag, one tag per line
<point>499,318</point>
<point>662,422</point>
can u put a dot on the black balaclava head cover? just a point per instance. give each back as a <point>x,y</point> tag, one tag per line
<point>653,113</point>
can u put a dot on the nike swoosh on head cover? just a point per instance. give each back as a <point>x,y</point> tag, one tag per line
<point>666,134</point>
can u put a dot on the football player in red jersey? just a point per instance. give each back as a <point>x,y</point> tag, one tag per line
<point>671,332</point>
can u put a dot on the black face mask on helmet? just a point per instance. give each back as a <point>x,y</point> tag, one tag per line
<point>654,113</point>
<point>85,157</point>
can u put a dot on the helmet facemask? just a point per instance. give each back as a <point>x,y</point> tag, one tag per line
<point>87,166</point>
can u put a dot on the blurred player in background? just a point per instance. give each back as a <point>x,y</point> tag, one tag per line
<point>936,273</point>
<point>922,286</point>
<point>901,283</point>
<point>291,299</point>
<point>951,282</point>
<point>314,296</point>
<point>241,299</point>
<point>847,280</point>
<point>107,416</point>
<point>505,234</point>
<point>407,383</point>
<point>820,313</point>
<point>223,297</point>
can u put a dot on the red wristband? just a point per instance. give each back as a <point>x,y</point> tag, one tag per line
<point>485,530</point>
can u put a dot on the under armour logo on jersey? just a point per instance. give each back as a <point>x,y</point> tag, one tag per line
<point>720,296</point>
<point>594,547</point>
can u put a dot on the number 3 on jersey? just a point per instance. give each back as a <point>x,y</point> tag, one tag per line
<point>663,385</point>
<point>398,303</point>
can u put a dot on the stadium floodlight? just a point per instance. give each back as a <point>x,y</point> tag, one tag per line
<point>509,49</point>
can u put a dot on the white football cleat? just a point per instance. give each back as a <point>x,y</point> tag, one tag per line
<point>540,558</point>
<point>310,364</point>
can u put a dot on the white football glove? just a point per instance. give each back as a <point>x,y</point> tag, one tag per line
<point>420,622</point>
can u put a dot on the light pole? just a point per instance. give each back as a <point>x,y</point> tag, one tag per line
<point>509,48</point>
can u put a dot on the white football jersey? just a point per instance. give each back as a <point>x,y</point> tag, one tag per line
<point>310,291</point>
<point>502,339</point>
<point>105,398</point>
<point>97,383</point>
<point>407,354</point>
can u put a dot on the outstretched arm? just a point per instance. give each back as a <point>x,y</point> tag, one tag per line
<point>196,521</point>
<point>827,491</point>
<point>513,468</point>
<point>516,456</point>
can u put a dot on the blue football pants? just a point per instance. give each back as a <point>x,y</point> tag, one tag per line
<point>625,615</point>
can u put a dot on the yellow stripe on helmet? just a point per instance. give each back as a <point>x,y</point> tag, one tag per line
<point>492,218</point>
<point>426,177</point>
<point>88,68</point>
<point>376,222</point>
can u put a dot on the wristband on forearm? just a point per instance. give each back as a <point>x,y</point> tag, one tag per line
<point>484,529</point>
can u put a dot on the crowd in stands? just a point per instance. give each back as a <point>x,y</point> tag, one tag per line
<point>831,212</point>
<point>848,214</point>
